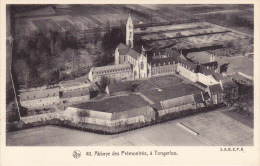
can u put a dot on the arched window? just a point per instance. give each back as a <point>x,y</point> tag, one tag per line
<point>142,65</point>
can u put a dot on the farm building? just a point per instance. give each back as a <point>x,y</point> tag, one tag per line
<point>71,91</point>
<point>113,73</point>
<point>199,100</point>
<point>187,69</point>
<point>163,61</point>
<point>230,89</point>
<point>39,98</point>
<point>77,95</point>
<point>216,93</point>
<point>116,111</point>
<point>114,104</point>
<point>207,99</point>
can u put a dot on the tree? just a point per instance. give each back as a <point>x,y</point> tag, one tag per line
<point>83,114</point>
<point>104,82</point>
<point>23,71</point>
<point>112,38</point>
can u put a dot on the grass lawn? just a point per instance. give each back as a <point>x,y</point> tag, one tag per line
<point>220,129</point>
<point>170,86</point>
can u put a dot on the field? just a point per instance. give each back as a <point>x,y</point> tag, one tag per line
<point>193,35</point>
<point>214,128</point>
<point>220,129</point>
<point>114,104</point>
<point>211,8</point>
<point>237,17</point>
<point>241,64</point>
<point>83,17</point>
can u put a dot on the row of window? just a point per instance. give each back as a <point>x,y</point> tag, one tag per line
<point>159,64</point>
<point>163,71</point>
<point>163,67</point>
<point>185,66</point>
<point>112,71</point>
<point>48,95</point>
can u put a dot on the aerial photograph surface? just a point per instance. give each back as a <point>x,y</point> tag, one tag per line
<point>130,75</point>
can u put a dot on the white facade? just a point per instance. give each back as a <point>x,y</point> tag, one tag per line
<point>130,33</point>
<point>186,73</point>
<point>206,80</point>
<point>40,102</point>
<point>141,68</point>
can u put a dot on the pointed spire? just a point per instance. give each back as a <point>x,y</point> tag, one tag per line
<point>143,50</point>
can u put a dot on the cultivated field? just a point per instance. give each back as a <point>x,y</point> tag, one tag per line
<point>211,8</point>
<point>214,128</point>
<point>83,17</point>
<point>193,35</point>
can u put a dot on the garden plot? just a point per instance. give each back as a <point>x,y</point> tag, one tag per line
<point>169,27</point>
<point>46,25</point>
<point>111,18</point>
<point>24,27</point>
<point>153,37</point>
<point>93,10</point>
<point>174,34</point>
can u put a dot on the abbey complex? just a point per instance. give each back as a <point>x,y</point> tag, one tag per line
<point>142,87</point>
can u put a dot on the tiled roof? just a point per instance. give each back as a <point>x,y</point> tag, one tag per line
<point>163,61</point>
<point>133,53</point>
<point>75,93</point>
<point>211,64</point>
<point>32,95</point>
<point>215,88</point>
<point>187,64</point>
<point>161,57</point>
<point>203,70</point>
<point>114,104</point>
<point>157,106</point>
<point>228,83</point>
<point>125,50</point>
<point>119,87</point>
<point>218,76</point>
<point>122,46</point>
<point>112,68</point>
<point>178,101</point>
<point>198,98</point>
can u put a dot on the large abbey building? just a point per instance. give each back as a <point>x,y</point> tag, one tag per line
<point>131,64</point>
<point>142,64</point>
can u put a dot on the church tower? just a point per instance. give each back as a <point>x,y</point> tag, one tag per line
<point>130,33</point>
<point>116,56</point>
